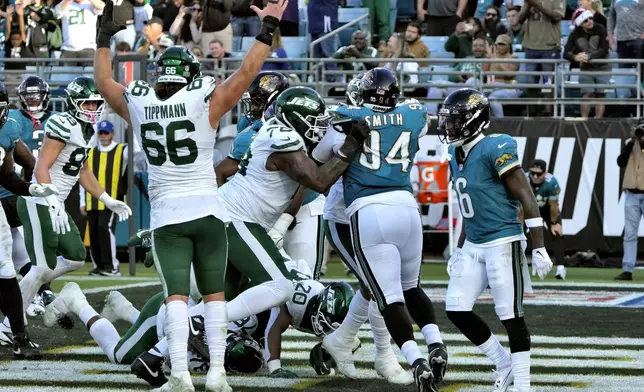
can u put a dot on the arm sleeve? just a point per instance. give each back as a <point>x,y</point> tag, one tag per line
<point>504,156</point>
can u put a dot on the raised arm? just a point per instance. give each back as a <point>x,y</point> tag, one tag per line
<point>226,95</point>
<point>111,90</point>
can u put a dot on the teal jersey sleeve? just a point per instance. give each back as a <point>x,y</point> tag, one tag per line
<point>310,196</point>
<point>9,133</point>
<point>503,154</point>
<point>243,140</point>
<point>243,123</point>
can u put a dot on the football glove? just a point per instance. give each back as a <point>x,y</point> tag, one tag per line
<point>121,209</point>
<point>142,238</point>
<point>282,373</point>
<point>541,263</point>
<point>452,259</point>
<point>59,219</point>
<point>109,26</point>
<point>279,229</point>
<point>359,131</point>
<point>43,190</point>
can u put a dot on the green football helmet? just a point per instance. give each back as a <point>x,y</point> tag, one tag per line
<point>177,65</point>
<point>82,92</point>
<point>330,307</point>
<point>303,110</point>
<point>243,354</point>
<point>354,92</point>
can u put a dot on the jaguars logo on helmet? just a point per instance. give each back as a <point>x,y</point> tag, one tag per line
<point>463,115</point>
<point>303,110</point>
<point>84,102</point>
<point>243,354</point>
<point>330,307</point>
<point>262,93</point>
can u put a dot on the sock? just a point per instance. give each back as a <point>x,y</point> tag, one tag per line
<point>25,269</point>
<point>43,288</point>
<point>357,315</point>
<point>12,304</point>
<point>259,298</point>
<point>216,319</point>
<point>493,349</point>
<point>30,283</point>
<point>160,349</point>
<point>86,314</point>
<point>134,315</point>
<point>177,331</point>
<point>105,335</point>
<point>521,370</point>
<point>432,334</point>
<point>411,351</point>
<point>381,337</point>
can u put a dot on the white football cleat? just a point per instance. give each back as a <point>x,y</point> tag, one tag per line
<point>561,272</point>
<point>388,367</point>
<point>341,354</point>
<point>70,300</point>
<point>6,336</point>
<point>183,383</point>
<point>216,381</point>
<point>504,378</point>
<point>117,307</point>
<point>36,307</point>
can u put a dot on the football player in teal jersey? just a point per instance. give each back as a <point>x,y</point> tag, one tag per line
<point>385,223</point>
<point>11,303</point>
<point>490,188</point>
<point>33,113</point>
<point>546,190</point>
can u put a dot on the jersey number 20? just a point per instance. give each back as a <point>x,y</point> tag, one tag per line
<point>180,152</point>
<point>398,153</point>
<point>464,200</point>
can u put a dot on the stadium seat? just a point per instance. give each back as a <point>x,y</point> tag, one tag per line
<point>426,77</point>
<point>442,55</point>
<point>63,75</point>
<point>441,77</point>
<point>34,70</point>
<point>625,92</point>
<point>566,28</point>
<point>406,10</point>
<point>296,47</point>
<point>435,44</point>
<point>346,15</point>
<point>345,35</point>
<point>247,42</point>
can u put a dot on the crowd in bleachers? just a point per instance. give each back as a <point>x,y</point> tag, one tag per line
<point>581,32</point>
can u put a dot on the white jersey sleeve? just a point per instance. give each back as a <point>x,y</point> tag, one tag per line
<point>334,206</point>
<point>178,142</point>
<point>256,194</point>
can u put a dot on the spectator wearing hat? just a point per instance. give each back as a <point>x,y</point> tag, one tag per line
<point>108,161</point>
<point>546,190</point>
<point>153,41</point>
<point>631,159</point>
<point>588,41</point>
<point>597,8</point>
<point>503,88</point>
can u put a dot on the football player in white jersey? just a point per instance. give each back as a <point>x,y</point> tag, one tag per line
<point>270,173</point>
<point>49,231</point>
<point>176,120</point>
<point>79,18</point>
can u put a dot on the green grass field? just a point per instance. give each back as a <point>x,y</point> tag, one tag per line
<point>585,337</point>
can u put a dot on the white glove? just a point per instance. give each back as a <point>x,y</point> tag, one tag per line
<point>43,190</point>
<point>59,219</point>
<point>450,262</point>
<point>121,209</point>
<point>279,229</point>
<point>541,263</point>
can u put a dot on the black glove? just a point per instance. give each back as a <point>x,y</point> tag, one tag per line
<point>108,26</point>
<point>356,136</point>
<point>281,373</point>
<point>359,131</point>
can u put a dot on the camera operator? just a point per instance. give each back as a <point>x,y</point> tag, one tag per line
<point>632,158</point>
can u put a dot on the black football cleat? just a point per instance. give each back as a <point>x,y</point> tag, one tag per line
<point>24,348</point>
<point>149,367</point>
<point>437,359</point>
<point>423,376</point>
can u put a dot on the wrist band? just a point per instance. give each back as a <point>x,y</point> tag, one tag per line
<point>269,25</point>
<point>534,222</point>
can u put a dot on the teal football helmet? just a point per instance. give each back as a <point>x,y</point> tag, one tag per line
<point>330,307</point>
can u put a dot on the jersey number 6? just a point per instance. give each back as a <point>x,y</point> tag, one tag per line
<point>181,152</point>
<point>464,199</point>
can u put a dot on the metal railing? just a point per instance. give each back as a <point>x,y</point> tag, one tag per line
<point>556,89</point>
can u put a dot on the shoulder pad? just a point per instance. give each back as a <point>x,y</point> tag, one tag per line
<point>282,139</point>
<point>137,88</point>
<point>206,86</point>
<point>59,126</point>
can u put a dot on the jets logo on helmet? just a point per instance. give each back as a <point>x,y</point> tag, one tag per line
<point>303,110</point>
<point>353,93</point>
<point>330,307</point>
<point>84,102</point>
<point>243,354</point>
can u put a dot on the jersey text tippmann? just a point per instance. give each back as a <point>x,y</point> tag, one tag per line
<point>162,112</point>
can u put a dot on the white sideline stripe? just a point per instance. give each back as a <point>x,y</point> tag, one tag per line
<point>593,285</point>
<point>365,333</point>
<point>77,278</point>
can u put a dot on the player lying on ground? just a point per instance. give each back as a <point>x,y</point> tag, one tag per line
<point>144,345</point>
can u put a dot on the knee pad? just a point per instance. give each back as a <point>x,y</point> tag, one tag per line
<point>518,334</point>
<point>7,271</point>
